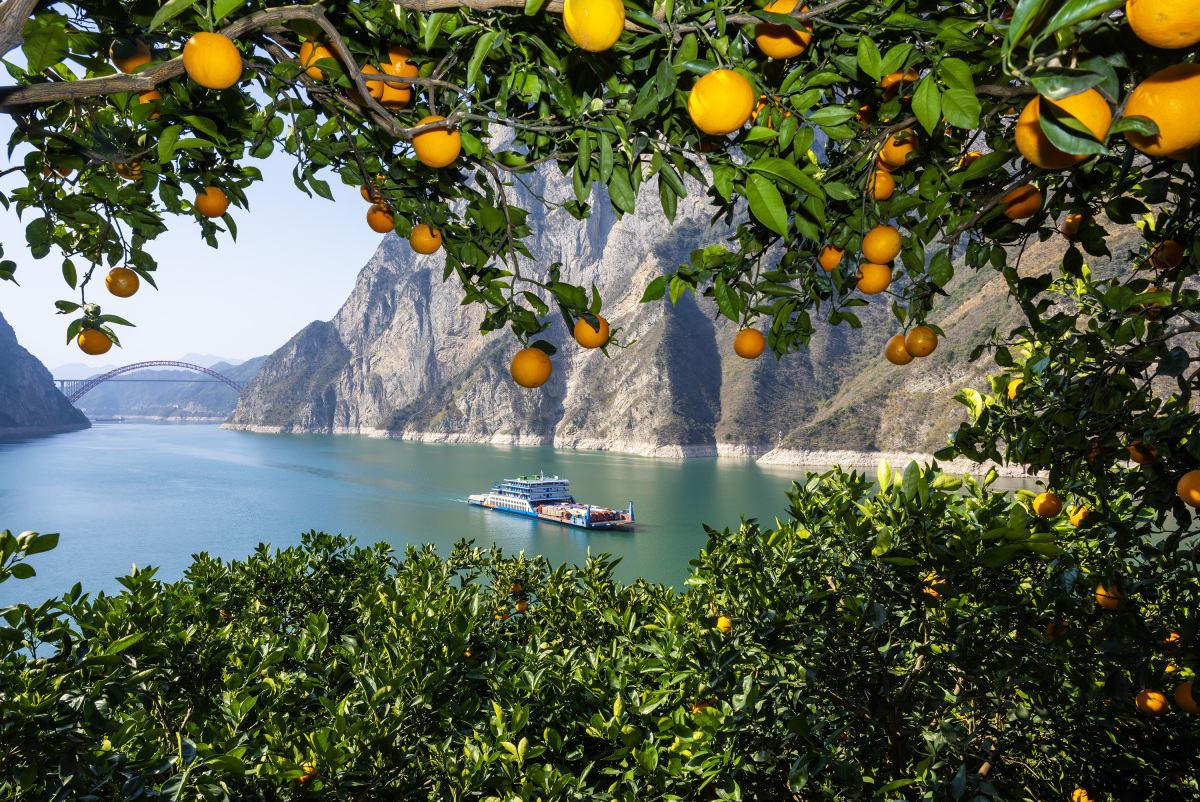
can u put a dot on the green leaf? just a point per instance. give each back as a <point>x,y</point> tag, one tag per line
<point>655,290</point>
<point>44,47</point>
<point>41,543</point>
<point>728,301</point>
<point>169,10</point>
<point>621,192</point>
<point>986,164</point>
<point>912,477</point>
<point>962,108</point>
<point>927,104</point>
<point>940,268</point>
<point>830,115</point>
<point>22,571</point>
<point>766,204</point>
<point>166,143</point>
<point>221,8</point>
<point>869,59</point>
<point>698,66</point>
<point>1058,83</point>
<point>946,483</point>
<point>68,271</point>
<point>956,74</point>
<point>1136,123</point>
<point>532,7</point>
<point>121,644</point>
<point>482,47</point>
<point>1075,11</point>
<point>1065,132</point>
<point>1024,17</point>
<point>433,26</point>
<point>786,171</point>
<point>883,474</point>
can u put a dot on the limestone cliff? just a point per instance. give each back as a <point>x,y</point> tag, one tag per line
<point>30,403</point>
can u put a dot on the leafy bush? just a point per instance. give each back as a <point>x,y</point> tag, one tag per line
<point>849,671</point>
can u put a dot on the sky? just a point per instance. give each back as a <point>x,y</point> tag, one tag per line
<point>295,261</point>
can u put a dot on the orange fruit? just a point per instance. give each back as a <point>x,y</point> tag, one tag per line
<point>438,147</point>
<point>724,624</point>
<point>1185,699</point>
<point>150,96</point>
<point>749,343</point>
<point>380,219</point>
<point>588,336</point>
<point>398,60</point>
<point>131,171</point>
<point>1047,505</point>
<point>1152,703</point>
<point>969,159</point>
<point>1079,794</point>
<point>1166,254</point>
<point>891,83</point>
<point>782,41</point>
<point>310,54</point>
<point>371,194</point>
<point>424,239</point>
<point>1141,453</point>
<point>1109,599</point>
<point>530,367</point>
<point>1014,387</point>
<point>881,185</point>
<point>830,257</point>
<point>93,342</point>
<point>394,96</point>
<point>594,25</point>
<point>1089,107</point>
<point>933,585</point>
<point>1070,226</point>
<point>881,244</point>
<point>1022,202</point>
<point>1168,97</point>
<point>309,770</point>
<point>873,278</point>
<point>896,352</point>
<point>921,341</point>
<point>1169,24</point>
<point>515,588</point>
<point>128,54</point>
<point>880,164</point>
<point>374,88</point>
<point>1079,514</point>
<point>720,102</point>
<point>521,606</point>
<point>865,116</point>
<point>1054,630</point>
<point>1188,488</point>
<point>897,149</point>
<point>212,202</point>
<point>121,282</point>
<point>213,60</point>
<point>501,616</point>
<point>1171,644</point>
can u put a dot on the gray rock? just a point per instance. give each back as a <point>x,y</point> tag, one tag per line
<point>30,403</point>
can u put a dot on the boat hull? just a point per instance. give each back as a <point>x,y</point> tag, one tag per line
<point>537,516</point>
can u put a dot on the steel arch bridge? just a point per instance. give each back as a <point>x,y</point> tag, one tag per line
<point>74,389</point>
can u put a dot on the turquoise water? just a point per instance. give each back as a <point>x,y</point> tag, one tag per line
<point>150,494</point>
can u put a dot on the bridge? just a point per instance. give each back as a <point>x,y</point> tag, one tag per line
<point>74,389</point>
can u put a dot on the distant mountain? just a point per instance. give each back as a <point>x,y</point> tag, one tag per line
<point>208,360</point>
<point>163,395</point>
<point>84,370</point>
<point>29,401</point>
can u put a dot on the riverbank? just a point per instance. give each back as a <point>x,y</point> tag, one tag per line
<point>35,431</point>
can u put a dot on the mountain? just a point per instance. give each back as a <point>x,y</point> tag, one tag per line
<point>30,403</point>
<point>403,358</point>
<point>83,370</point>
<point>180,395</point>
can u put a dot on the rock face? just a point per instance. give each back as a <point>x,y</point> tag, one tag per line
<point>30,403</point>
<point>403,358</point>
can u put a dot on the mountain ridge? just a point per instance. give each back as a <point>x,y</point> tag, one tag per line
<point>30,403</point>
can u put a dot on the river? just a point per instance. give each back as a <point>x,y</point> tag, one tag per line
<point>154,494</point>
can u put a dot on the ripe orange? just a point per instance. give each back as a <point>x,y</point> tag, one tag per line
<point>1166,254</point>
<point>881,185</point>
<point>121,282</point>
<point>1089,107</point>
<point>724,624</point>
<point>309,770</point>
<point>374,88</point>
<point>501,616</point>
<point>873,278</point>
<point>61,172</point>
<point>1079,794</point>
<point>1141,453</point>
<point>394,96</point>
<point>213,60</point>
<point>398,59</point>
<point>1047,505</point>
<point>1185,699</point>
<point>1152,703</point>
<point>1079,514</point>
<point>212,202</point>
<point>310,54</point>
<point>1188,488</point>
<point>1014,387</point>
<point>588,336</point>
<point>1070,226</point>
<point>424,239</point>
<point>720,102</point>
<point>530,367</point>
<point>891,83</point>
<point>921,341</point>
<point>370,193</point>
<point>1109,599</point>
<point>1169,24</point>
<point>880,164</point>
<point>881,244</point>
<point>749,343</point>
<point>933,585</point>
<point>380,219</point>
<point>150,96</point>
<point>1022,202</point>
<point>438,147</point>
<point>782,41</point>
<point>93,342</point>
<point>896,352</point>
<point>128,54</point>
<point>594,25</point>
<point>1168,97</point>
<point>865,116</point>
<point>969,159</point>
<point>830,257</point>
<point>1171,644</point>
<point>897,149</point>
<point>522,606</point>
<point>131,171</point>
<point>515,588</point>
<point>1055,630</point>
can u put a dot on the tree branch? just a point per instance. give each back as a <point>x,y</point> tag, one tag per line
<point>13,14</point>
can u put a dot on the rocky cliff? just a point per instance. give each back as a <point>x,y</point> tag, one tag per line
<point>402,358</point>
<point>30,403</point>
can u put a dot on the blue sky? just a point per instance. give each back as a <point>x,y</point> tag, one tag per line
<point>295,261</point>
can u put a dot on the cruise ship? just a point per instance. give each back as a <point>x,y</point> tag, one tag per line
<point>548,498</point>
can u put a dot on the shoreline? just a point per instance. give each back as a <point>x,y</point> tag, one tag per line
<point>29,431</point>
<point>762,453</point>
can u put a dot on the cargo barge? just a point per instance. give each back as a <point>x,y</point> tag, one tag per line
<point>548,498</point>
